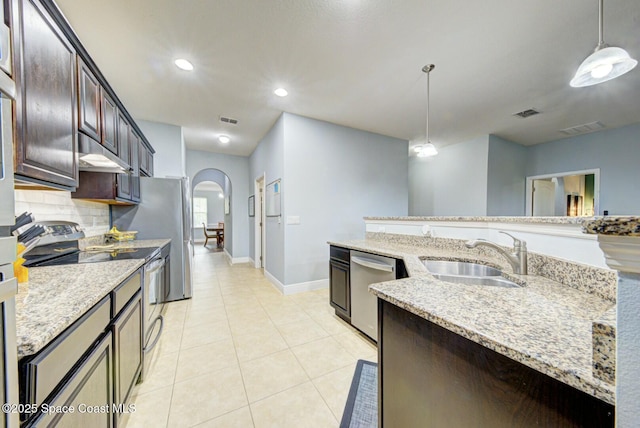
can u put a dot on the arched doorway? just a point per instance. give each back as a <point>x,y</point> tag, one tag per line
<point>212,187</point>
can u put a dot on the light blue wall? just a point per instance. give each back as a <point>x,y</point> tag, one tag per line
<point>452,183</point>
<point>237,169</point>
<point>616,152</point>
<point>335,176</point>
<point>505,181</point>
<point>332,177</point>
<point>473,178</point>
<point>268,159</point>
<point>168,142</point>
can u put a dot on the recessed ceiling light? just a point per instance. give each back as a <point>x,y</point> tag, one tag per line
<point>281,92</point>
<point>183,64</point>
<point>224,139</point>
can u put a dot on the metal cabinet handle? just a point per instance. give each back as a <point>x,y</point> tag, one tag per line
<point>373,264</point>
<point>150,347</point>
<point>155,266</point>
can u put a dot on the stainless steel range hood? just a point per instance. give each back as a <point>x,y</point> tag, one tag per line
<point>92,156</point>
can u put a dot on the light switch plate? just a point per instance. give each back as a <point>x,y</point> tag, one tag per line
<point>293,219</point>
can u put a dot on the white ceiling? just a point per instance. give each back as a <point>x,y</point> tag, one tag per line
<point>358,63</point>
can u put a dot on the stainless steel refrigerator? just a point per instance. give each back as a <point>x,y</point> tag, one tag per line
<point>164,211</point>
<point>8,283</point>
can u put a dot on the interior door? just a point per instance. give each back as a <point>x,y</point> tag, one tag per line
<point>544,192</point>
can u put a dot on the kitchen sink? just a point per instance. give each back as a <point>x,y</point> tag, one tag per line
<point>460,268</point>
<point>491,281</point>
<point>467,273</point>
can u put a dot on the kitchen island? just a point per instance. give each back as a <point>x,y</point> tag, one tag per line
<point>543,326</point>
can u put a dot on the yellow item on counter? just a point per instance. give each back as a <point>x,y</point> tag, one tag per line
<point>21,273</point>
<point>115,235</point>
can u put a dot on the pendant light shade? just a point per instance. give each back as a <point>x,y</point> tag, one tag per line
<point>427,149</point>
<point>604,64</point>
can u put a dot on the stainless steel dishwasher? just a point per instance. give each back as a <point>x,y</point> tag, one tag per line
<point>367,269</point>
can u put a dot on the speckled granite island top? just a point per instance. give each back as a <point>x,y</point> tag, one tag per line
<point>56,296</point>
<point>544,325</point>
<point>488,219</point>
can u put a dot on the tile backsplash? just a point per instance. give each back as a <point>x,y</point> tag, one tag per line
<point>93,217</point>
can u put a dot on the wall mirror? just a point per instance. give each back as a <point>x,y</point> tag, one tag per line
<point>570,194</point>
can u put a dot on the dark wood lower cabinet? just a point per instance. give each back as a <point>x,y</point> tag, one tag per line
<point>339,282</point>
<point>432,377</point>
<point>127,345</point>
<point>88,392</point>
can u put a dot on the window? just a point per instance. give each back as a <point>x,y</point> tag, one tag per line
<point>199,211</point>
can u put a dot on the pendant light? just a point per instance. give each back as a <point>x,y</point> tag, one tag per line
<point>428,149</point>
<point>605,63</point>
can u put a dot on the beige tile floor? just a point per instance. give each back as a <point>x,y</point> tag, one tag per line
<point>240,354</point>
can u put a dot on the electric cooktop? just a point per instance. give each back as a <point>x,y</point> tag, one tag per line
<point>94,256</point>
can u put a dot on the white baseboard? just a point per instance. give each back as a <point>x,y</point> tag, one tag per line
<point>299,287</point>
<point>235,260</point>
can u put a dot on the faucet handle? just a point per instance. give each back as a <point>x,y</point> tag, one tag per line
<point>517,243</point>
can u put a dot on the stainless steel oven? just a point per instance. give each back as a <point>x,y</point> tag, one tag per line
<point>154,296</point>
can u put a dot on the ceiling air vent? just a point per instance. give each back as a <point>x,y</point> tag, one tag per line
<point>228,120</point>
<point>583,129</point>
<point>527,113</point>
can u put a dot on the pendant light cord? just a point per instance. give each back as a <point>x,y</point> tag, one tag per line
<point>601,25</point>
<point>427,109</point>
<point>427,69</point>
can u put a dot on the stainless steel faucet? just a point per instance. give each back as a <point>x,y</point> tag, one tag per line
<point>517,259</point>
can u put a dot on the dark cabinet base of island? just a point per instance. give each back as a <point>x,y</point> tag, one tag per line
<point>432,377</point>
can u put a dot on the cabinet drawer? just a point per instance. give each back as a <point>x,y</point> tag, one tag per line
<point>90,387</point>
<point>49,367</point>
<point>339,253</point>
<point>124,292</point>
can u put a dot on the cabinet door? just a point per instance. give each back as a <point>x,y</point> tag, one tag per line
<point>109,122</point>
<point>150,163</point>
<point>88,102</point>
<point>143,155</point>
<point>124,152</point>
<point>339,288</point>
<point>46,105</point>
<point>135,142</point>
<point>89,387</point>
<point>127,347</point>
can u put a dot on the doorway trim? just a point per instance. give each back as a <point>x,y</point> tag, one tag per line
<point>259,227</point>
<point>596,187</point>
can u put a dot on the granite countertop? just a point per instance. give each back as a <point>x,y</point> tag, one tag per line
<point>544,325</point>
<point>56,296</point>
<point>614,225</point>
<point>491,219</point>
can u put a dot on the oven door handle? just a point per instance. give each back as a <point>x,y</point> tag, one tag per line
<point>149,347</point>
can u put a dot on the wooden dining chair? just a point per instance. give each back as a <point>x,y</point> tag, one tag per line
<point>207,235</point>
<point>221,234</point>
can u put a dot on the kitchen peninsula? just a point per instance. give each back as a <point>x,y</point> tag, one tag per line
<point>508,356</point>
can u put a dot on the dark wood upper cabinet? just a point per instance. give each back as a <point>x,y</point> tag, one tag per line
<point>145,156</point>
<point>109,112</point>
<point>124,152</point>
<point>46,121</point>
<point>135,142</point>
<point>89,120</point>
